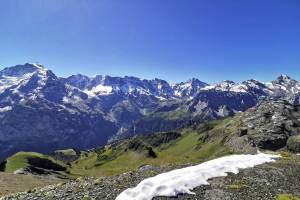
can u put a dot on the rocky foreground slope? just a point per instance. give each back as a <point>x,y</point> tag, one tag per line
<point>265,182</point>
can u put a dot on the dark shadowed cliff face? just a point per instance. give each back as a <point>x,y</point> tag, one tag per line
<point>43,127</point>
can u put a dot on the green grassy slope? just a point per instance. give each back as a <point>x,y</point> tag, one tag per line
<point>22,160</point>
<point>194,146</point>
<point>188,146</point>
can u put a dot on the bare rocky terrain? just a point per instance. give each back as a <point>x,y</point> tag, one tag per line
<point>12,183</point>
<point>263,182</point>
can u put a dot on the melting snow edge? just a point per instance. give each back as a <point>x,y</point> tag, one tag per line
<point>184,180</point>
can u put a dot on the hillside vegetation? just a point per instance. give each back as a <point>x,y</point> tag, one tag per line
<point>34,163</point>
<point>190,145</point>
<point>245,133</point>
<point>270,126</point>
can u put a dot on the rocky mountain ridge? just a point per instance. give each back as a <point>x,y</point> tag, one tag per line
<point>42,112</point>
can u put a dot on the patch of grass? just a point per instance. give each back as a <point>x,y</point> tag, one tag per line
<point>21,160</point>
<point>285,154</point>
<point>150,173</point>
<point>86,197</point>
<point>297,138</point>
<point>287,158</point>
<point>287,197</point>
<point>190,149</point>
<point>236,186</point>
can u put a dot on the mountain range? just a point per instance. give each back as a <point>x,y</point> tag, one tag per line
<point>42,112</point>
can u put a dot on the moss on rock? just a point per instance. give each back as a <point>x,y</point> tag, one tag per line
<point>293,143</point>
<point>287,197</point>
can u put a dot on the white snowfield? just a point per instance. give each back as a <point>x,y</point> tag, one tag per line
<point>5,109</point>
<point>184,180</point>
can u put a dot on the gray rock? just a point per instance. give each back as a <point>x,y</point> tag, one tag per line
<point>293,143</point>
<point>271,123</point>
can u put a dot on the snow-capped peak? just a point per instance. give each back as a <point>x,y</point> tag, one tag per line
<point>284,77</point>
<point>24,80</point>
<point>20,70</point>
<point>80,81</point>
<point>249,86</point>
<point>253,84</point>
<point>33,77</point>
<point>285,84</point>
<point>284,80</point>
<point>189,88</point>
<point>37,65</point>
<point>106,85</point>
<point>225,85</point>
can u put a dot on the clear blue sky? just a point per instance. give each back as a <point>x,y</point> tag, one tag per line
<point>174,40</point>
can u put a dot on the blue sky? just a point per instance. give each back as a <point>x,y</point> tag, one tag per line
<point>174,40</point>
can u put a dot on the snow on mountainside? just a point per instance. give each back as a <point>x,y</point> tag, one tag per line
<point>40,105</point>
<point>285,86</point>
<point>14,78</point>
<point>244,87</point>
<point>39,112</point>
<point>105,85</point>
<point>22,83</point>
<point>32,78</point>
<point>189,88</point>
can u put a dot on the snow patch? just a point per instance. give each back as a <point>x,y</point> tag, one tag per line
<point>209,87</point>
<point>184,180</point>
<point>100,90</point>
<point>5,109</point>
<point>37,66</point>
<point>72,100</point>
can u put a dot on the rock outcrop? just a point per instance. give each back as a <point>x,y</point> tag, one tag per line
<point>270,124</point>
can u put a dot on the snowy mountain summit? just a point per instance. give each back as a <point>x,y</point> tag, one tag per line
<point>189,88</point>
<point>128,85</point>
<point>20,70</point>
<point>94,110</point>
